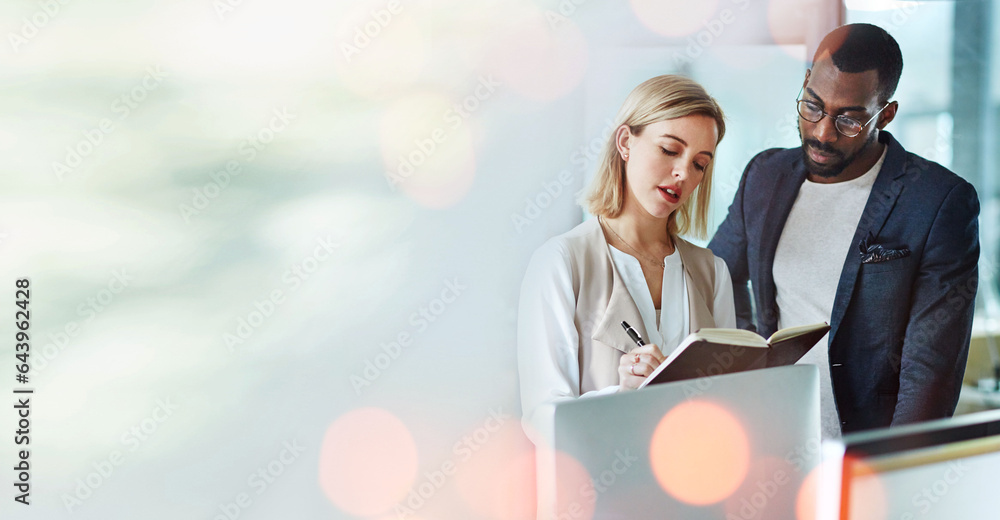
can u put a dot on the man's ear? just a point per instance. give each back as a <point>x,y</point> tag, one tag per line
<point>806,80</point>
<point>623,140</point>
<point>887,115</point>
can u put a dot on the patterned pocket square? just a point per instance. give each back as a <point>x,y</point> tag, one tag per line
<point>875,253</point>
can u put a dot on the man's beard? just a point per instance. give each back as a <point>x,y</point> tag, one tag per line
<point>833,169</point>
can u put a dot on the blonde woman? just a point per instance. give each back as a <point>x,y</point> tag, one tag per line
<point>652,185</point>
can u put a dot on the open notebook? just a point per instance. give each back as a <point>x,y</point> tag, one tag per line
<point>710,352</point>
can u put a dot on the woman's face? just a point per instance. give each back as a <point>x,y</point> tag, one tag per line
<point>666,162</point>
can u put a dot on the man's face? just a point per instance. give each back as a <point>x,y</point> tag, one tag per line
<point>854,94</point>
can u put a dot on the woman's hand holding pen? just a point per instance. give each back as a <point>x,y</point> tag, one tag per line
<point>636,365</point>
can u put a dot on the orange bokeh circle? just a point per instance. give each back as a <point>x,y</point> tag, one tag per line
<point>699,453</point>
<point>368,461</point>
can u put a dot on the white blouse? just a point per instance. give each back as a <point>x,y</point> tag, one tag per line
<point>547,338</point>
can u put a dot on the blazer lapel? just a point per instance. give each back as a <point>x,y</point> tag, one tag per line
<point>774,221</point>
<point>699,276</point>
<point>880,203</point>
<point>621,307</point>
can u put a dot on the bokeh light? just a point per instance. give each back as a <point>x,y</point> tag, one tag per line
<point>427,148</point>
<point>787,21</point>
<point>699,453</point>
<point>515,491</point>
<point>367,81</point>
<point>541,56</point>
<point>766,492</point>
<point>674,17</point>
<point>288,38</point>
<point>867,494</point>
<point>379,52</point>
<point>368,461</point>
<point>497,479</point>
<point>878,5</point>
<point>502,482</point>
<point>806,500</point>
<point>575,494</point>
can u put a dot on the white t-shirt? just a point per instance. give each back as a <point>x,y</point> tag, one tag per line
<point>811,252</point>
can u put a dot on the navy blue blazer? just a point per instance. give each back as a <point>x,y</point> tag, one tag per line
<point>900,328</point>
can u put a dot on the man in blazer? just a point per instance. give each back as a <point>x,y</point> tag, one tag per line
<point>852,229</point>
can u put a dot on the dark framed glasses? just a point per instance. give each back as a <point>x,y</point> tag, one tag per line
<point>847,126</point>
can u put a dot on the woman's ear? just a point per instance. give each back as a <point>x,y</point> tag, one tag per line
<point>623,141</point>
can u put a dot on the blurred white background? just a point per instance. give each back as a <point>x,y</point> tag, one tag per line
<point>275,248</point>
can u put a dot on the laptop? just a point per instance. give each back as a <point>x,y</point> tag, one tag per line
<point>943,469</point>
<point>737,444</point>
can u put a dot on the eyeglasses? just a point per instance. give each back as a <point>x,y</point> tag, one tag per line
<point>847,126</point>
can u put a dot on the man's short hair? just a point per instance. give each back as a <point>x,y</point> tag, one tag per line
<point>859,47</point>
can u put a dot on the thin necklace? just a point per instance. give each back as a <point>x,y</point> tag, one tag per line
<point>636,251</point>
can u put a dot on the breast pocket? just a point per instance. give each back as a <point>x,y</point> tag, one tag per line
<point>899,264</point>
<point>882,295</point>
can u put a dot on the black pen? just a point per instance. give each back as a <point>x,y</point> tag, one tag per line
<point>633,334</point>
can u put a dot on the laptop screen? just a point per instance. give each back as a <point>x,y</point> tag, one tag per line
<point>937,470</point>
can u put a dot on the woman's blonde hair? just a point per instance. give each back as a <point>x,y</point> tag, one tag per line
<point>657,99</point>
